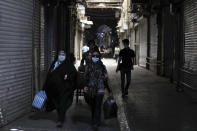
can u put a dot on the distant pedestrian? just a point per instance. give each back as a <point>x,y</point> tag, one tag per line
<point>60,85</point>
<point>86,58</point>
<point>85,49</point>
<point>96,82</point>
<point>126,55</point>
<point>116,53</point>
<point>72,58</point>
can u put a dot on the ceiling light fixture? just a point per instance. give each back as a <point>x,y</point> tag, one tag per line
<point>101,5</point>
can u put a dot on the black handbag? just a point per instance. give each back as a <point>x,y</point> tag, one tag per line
<point>119,66</point>
<point>110,108</point>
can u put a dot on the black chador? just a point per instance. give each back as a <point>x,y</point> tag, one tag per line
<point>60,86</point>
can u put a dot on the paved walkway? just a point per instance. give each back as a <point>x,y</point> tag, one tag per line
<point>154,105</point>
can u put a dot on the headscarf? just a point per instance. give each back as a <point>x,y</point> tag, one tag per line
<point>60,59</point>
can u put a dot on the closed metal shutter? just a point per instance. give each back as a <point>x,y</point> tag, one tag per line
<point>15,58</point>
<point>42,40</point>
<point>43,43</point>
<point>36,44</point>
<point>143,42</point>
<point>189,71</point>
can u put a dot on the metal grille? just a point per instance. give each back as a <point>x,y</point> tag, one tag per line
<point>190,22</point>
<point>43,40</point>
<point>15,58</point>
<point>36,44</point>
<point>189,74</point>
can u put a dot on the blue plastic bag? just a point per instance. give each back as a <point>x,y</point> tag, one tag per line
<point>39,99</point>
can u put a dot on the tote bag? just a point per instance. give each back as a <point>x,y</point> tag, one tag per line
<point>39,99</point>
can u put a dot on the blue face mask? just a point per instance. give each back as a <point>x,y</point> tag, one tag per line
<point>95,59</point>
<point>61,58</point>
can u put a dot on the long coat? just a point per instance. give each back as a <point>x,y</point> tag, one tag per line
<point>60,85</point>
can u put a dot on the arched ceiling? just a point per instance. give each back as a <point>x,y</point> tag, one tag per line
<point>101,16</point>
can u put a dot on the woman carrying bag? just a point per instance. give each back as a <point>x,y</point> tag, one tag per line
<point>96,82</point>
<point>60,85</point>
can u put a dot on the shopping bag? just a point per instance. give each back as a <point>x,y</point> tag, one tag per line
<point>119,67</point>
<point>110,108</point>
<point>39,99</point>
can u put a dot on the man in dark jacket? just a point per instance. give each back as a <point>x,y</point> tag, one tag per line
<point>126,55</point>
<point>60,86</point>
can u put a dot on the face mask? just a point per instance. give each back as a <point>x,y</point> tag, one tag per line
<point>95,59</point>
<point>61,58</point>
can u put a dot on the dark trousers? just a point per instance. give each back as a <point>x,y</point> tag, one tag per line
<point>96,108</point>
<point>117,58</point>
<point>95,103</point>
<point>124,73</point>
<point>62,108</point>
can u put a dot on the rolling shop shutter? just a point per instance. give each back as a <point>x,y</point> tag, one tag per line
<point>36,44</point>
<point>15,58</point>
<point>189,71</point>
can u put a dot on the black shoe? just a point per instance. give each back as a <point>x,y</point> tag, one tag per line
<point>59,124</point>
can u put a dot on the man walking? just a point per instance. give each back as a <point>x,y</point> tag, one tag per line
<point>126,55</point>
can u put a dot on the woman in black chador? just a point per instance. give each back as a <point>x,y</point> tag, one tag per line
<point>60,86</point>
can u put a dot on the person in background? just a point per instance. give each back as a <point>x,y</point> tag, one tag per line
<point>72,58</point>
<point>85,49</point>
<point>126,55</point>
<point>96,82</point>
<point>60,85</point>
<point>116,53</point>
<point>87,55</point>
